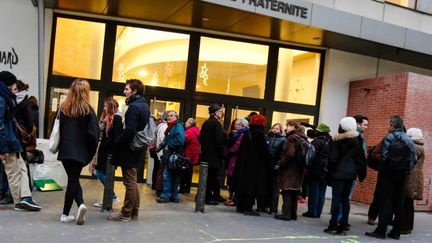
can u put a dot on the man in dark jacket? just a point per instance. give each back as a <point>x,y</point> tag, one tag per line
<point>136,118</point>
<point>212,138</point>
<point>10,147</point>
<point>398,155</point>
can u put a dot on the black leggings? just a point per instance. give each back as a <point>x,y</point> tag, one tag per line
<point>73,191</point>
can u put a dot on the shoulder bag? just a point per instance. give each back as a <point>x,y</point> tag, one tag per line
<point>54,140</point>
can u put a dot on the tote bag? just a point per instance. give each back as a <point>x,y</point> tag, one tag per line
<point>54,140</point>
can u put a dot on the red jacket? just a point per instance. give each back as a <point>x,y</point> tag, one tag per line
<point>192,145</point>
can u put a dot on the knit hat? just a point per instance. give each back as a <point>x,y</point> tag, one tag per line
<point>7,78</point>
<point>322,128</point>
<point>258,120</point>
<point>213,108</point>
<point>415,134</point>
<point>348,124</point>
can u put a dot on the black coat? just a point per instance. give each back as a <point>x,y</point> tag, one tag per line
<point>212,139</point>
<point>318,168</point>
<point>25,114</point>
<point>347,159</point>
<point>107,143</point>
<point>275,143</point>
<point>78,138</point>
<point>136,118</point>
<point>253,168</point>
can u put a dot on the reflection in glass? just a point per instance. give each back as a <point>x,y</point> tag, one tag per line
<point>78,48</point>
<point>240,113</point>
<point>283,118</point>
<point>232,68</point>
<point>157,58</point>
<point>297,76</point>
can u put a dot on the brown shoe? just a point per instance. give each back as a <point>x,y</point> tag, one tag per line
<point>118,217</point>
<point>162,200</point>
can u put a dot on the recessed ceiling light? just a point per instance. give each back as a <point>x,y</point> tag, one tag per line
<point>205,19</point>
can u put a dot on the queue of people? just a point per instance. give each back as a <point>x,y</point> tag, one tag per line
<point>260,166</point>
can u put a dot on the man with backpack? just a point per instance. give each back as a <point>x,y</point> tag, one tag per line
<point>398,158</point>
<point>127,153</point>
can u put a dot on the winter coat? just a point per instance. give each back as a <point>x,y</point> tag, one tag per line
<point>414,184</point>
<point>252,171</point>
<point>136,118</point>
<point>212,139</point>
<point>275,142</point>
<point>107,143</point>
<point>78,138</point>
<point>160,136</point>
<point>290,176</point>
<point>174,141</point>
<point>9,142</point>
<point>25,114</point>
<point>192,145</point>
<point>385,150</point>
<point>232,152</point>
<point>318,169</point>
<point>346,159</point>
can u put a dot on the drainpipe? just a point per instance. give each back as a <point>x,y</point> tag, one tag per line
<point>41,61</point>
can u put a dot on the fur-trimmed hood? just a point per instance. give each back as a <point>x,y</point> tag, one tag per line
<point>341,136</point>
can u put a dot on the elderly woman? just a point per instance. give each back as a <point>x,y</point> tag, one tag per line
<point>240,127</point>
<point>173,143</point>
<point>253,167</point>
<point>414,183</point>
<point>191,150</point>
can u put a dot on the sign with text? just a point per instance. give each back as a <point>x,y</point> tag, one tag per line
<point>9,57</point>
<point>293,10</point>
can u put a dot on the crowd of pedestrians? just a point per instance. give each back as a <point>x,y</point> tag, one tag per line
<point>260,166</point>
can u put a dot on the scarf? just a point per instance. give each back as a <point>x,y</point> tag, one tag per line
<point>170,125</point>
<point>8,96</point>
<point>240,131</point>
<point>20,96</point>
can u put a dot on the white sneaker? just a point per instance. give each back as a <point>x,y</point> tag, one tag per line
<point>67,218</point>
<point>98,204</point>
<point>80,219</point>
<point>116,200</point>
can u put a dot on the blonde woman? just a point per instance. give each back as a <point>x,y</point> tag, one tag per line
<point>79,131</point>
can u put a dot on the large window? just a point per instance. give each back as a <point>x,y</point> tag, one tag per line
<point>297,76</point>
<point>78,48</point>
<point>284,117</point>
<point>405,3</point>
<point>158,58</point>
<point>232,68</point>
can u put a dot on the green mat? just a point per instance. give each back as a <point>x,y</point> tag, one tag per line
<point>47,185</point>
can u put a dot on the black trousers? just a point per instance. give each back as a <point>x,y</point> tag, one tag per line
<point>156,166</point>
<point>289,206</point>
<point>186,180</point>
<point>373,208</point>
<point>73,190</point>
<point>390,201</point>
<point>407,214</point>
<point>213,187</point>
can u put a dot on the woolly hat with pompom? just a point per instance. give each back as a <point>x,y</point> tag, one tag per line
<point>348,124</point>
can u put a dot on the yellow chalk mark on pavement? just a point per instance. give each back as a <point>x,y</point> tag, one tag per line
<point>344,239</point>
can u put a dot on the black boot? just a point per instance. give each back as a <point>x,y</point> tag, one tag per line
<point>7,200</point>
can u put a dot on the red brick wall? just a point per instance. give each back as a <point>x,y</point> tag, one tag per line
<point>405,94</point>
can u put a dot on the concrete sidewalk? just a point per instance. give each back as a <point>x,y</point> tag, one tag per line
<point>171,222</point>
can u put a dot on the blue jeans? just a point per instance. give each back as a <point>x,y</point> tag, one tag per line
<point>101,176</point>
<point>340,196</point>
<point>317,191</point>
<point>170,184</point>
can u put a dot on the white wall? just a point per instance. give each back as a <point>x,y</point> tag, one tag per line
<point>343,67</point>
<point>19,26</point>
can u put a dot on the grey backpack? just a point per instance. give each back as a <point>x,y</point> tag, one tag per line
<point>145,137</point>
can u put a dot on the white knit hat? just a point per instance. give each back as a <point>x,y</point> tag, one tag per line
<point>348,124</point>
<point>415,133</point>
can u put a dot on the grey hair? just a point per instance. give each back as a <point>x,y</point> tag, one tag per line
<point>164,115</point>
<point>243,122</point>
<point>191,121</point>
<point>175,112</point>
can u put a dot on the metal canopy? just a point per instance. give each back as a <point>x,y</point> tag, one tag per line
<point>203,15</point>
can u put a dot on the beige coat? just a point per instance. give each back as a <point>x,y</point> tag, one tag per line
<point>414,184</point>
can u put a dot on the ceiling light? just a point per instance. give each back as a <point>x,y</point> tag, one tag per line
<point>143,73</point>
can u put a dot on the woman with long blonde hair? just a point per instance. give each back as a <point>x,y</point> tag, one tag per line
<point>79,132</point>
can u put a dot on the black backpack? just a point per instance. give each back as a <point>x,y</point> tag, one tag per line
<point>398,158</point>
<point>307,153</point>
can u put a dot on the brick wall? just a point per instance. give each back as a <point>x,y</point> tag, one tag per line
<point>405,94</point>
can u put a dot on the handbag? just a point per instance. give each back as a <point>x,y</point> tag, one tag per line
<point>374,156</point>
<point>54,140</point>
<point>178,163</point>
<point>27,139</point>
